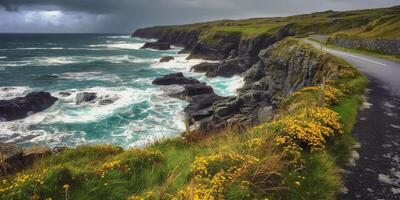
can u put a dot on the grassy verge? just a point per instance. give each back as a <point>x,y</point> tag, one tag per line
<point>296,156</point>
<point>395,58</point>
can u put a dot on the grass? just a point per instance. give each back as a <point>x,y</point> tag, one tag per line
<point>372,23</point>
<point>226,164</point>
<point>395,58</point>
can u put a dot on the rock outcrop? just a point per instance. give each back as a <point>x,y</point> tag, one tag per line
<point>199,95</point>
<point>175,79</point>
<point>271,71</point>
<point>157,45</point>
<point>167,59</point>
<point>85,97</point>
<point>237,52</point>
<point>11,159</point>
<point>15,158</point>
<point>282,69</point>
<point>206,67</point>
<point>187,39</point>
<point>22,107</point>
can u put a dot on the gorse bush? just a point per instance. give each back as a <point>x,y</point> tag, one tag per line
<point>308,128</point>
<point>292,157</point>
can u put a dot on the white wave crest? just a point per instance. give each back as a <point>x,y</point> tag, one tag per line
<point>143,39</point>
<point>178,64</point>
<point>162,118</point>
<point>33,48</point>
<point>63,60</point>
<point>118,45</point>
<point>87,76</point>
<point>13,91</point>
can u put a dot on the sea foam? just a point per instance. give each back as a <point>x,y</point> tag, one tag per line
<point>64,60</point>
<point>13,92</point>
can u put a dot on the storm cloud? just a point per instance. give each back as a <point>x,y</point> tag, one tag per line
<point>123,16</point>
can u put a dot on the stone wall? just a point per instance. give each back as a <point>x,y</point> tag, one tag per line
<point>384,46</point>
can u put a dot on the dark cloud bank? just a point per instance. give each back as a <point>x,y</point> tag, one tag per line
<point>123,16</point>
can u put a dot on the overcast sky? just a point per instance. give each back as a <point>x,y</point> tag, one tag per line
<point>123,16</point>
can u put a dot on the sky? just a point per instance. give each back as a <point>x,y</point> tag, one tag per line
<point>124,16</point>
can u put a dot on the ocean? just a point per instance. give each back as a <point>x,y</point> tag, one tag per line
<point>109,65</point>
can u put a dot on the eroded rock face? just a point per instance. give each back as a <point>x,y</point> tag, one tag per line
<point>15,158</point>
<point>11,158</point>
<point>84,97</point>
<point>199,95</point>
<point>157,45</point>
<point>33,154</point>
<point>271,70</point>
<point>205,67</point>
<point>174,79</point>
<point>282,69</point>
<point>22,107</point>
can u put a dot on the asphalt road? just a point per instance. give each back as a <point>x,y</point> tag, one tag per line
<point>376,172</point>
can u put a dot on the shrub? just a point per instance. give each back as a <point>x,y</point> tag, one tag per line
<point>307,129</point>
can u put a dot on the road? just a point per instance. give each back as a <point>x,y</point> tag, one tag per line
<point>376,173</point>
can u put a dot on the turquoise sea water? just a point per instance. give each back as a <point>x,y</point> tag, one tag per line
<point>112,66</point>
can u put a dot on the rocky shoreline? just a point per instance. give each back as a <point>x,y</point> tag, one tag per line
<point>22,107</point>
<point>272,67</point>
<point>270,74</point>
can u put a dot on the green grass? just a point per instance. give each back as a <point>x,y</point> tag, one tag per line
<point>395,58</point>
<point>163,169</point>
<point>371,23</point>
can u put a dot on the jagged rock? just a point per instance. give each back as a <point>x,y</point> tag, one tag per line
<point>157,45</point>
<point>227,107</point>
<point>15,158</point>
<point>22,107</point>
<point>205,67</point>
<point>84,97</point>
<point>230,67</point>
<point>188,38</point>
<point>11,158</point>
<point>106,101</point>
<point>32,154</point>
<point>218,50</point>
<point>200,96</point>
<point>167,59</point>
<point>174,79</point>
<point>197,89</point>
<point>271,70</point>
<point>200,106</point>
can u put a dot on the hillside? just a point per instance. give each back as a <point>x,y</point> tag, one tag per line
<point>382,24</point>
<point>282,159</point>
<point>285,135</point>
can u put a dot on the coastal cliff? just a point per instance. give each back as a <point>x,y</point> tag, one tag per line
<point>297,106</point>
<point>282,69</point>
<point>373,29</point>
